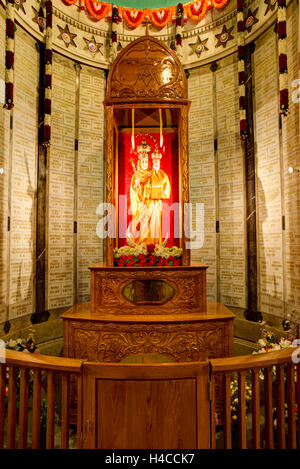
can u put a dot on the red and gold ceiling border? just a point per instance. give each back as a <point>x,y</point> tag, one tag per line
<point>159,17</point>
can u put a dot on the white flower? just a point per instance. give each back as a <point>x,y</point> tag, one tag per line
<point>261,343</point>
<point>12,343</point>
<point>281,14</point>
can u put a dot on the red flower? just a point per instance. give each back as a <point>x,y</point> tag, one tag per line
<point>124,258</point>
<point>160,261</point>
<point>152,258</point>
<point>243,125</point>
<point>282,62</point>
<point>150,247</point>
<point>177,261</point>
<point>241,26</point>
<point>242,102</point>
<point>10,28</point>
<point>281,29</point>
<point>241,52</point>
<point>170,258</point>
<point>152,262</point>
<point>47,132</point>
<point>242,78</point>
<point>142,257</point>
<point>9,60</point>
<point>121,263</point>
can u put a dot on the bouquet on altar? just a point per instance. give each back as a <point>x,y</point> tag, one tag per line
<point>143,255</point>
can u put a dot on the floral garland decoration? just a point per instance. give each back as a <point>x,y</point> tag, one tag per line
<point>9,55</point>
<point>98,10</point>
<point>219,3</point>
<point>160,17</point>
<point>48,76</point>
<point>282,52</point>
<point>133,16</point>
<point>197,10</point>
<point>241,69</point>
<point>178,34</point>
<point>115,19</point>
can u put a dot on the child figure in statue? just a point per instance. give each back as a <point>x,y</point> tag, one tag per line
<point>147,191</point>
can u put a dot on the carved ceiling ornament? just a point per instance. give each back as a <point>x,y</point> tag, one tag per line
<point>147,68</point>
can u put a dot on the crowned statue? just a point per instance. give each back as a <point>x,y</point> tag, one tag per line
<point>150,186</point>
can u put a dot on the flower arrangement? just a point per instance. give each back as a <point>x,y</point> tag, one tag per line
<point>144,255</point>
<point>269,343</point>
<point>22,345</point>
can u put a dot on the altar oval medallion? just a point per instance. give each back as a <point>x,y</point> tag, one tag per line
<point>146,292</point>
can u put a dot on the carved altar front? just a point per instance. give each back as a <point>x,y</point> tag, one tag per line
<point>146,290</point>
<point>168,337</point>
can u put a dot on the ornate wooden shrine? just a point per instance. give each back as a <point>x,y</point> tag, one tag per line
<point>148,302</point>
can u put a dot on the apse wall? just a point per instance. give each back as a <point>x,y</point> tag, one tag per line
<point>218,176</point>
<point>76,174</point>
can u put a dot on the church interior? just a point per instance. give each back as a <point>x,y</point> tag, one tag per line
<point>149,224</point>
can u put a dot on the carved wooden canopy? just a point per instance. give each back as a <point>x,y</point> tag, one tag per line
<point>146,69</point>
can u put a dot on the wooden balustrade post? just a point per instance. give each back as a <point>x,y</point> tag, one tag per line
<point>242,409</point>
<point>50,410</point>
<point>2,402</point>
<point>227,413</point>
<point>255,409</point>
<point>36,410</point>
<point>268,397</point>
<point>12,407</point>
<point>280,407</point>
<point>23,412</point>
<point>291,405</point>
<point>65,401</point>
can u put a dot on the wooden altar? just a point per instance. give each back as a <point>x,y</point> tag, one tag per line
<point>148,337</point>
<point>148,305</point>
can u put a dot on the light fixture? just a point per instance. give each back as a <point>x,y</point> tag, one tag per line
<point>292,169</point>
<point>1,170</point>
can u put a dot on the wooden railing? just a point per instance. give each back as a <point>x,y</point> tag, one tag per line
<point>28,387</point>
<point>267,401</point>
<point>254,400</point>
